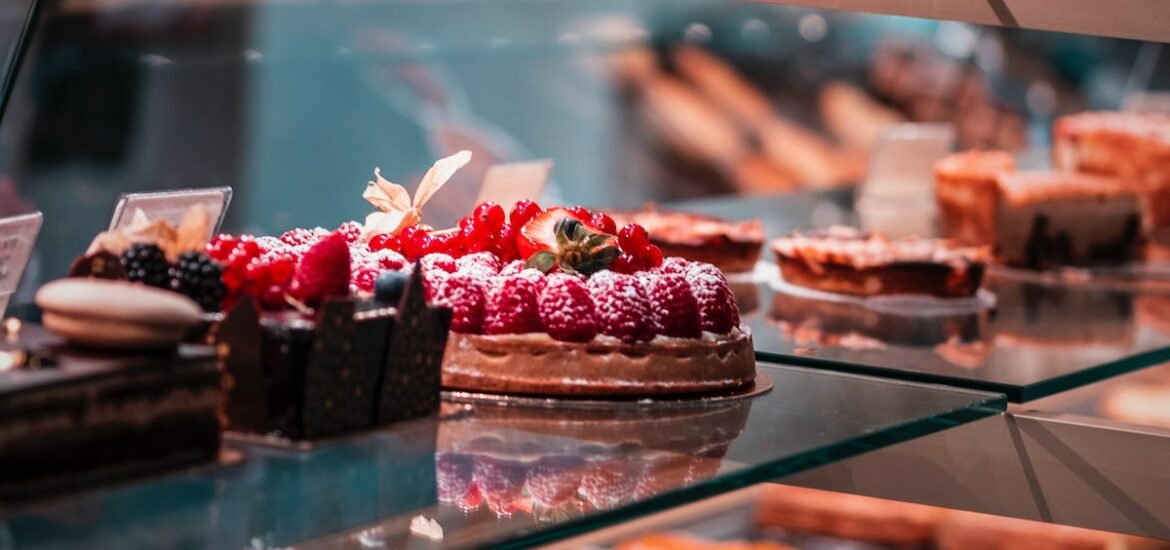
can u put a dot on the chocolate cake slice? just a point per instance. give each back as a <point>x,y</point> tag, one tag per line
<point>845,260</point>
<point>72,419</point>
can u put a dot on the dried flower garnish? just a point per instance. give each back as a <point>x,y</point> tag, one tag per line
<point>397,210</point>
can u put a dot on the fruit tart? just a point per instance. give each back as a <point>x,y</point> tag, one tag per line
<point>560,301</point>
<point>732,246</point>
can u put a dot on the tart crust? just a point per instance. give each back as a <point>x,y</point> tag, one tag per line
<point>537,364</point>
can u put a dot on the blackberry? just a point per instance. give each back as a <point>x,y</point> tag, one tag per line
<point>200,278</point>
<point>146,264</point>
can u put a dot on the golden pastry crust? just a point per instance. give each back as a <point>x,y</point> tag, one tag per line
<point>538,365</point>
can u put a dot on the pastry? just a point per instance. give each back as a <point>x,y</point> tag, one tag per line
<point>680,541</point>
<point>1143,404</point>
<point>115,314</point>
<point>855,118</point>
<point>1131,146</point>
<point>972,531</point>
<point>847,261</point>
<point>72,419</point>
<point>965,190</point>
<point>731,246</point>
<point>1045,218</point>
<point>846,516</point>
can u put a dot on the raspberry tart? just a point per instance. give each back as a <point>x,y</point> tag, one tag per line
<point>732,246</point>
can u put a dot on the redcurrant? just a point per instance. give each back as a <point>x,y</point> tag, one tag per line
<point>633,239</point>
<point>602,222</point>
<point>653,256</point>
<point>580,212</point>
<point>489,215</point>
<point>523,211</point>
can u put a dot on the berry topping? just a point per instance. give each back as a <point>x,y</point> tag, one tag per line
<point>200,278</point>
<point>362,278</point>
<point>324,271</point>
<point>512,268</point>
<point>464,294</point>
<point>717,308</point>
<point>146,264</point>
<point>388,287</point>
<point>540,232</point>
<point>352,231</point>
<point>453,475</point>
<point>387,259</point>
<point>441,262</point>
<point>484,260</point>
<point>675,308</point>
<point>385,241</point>
<point>609,483</point>
<point>653,256</point>
<point>695,269</point>
<point>621,308</point>
<point>294,237</point>
<point>674,264</point>
<point>633,239</point>
<point>578,249</point>
<point>603,223</point>
<point>501,481</point>
<point>511,306</point>
<point>566,309</point>
<point>581,212</point>
<point>523,211</point>
<point>554,479</point>
<point>489,215</point>
<point>627,263</point>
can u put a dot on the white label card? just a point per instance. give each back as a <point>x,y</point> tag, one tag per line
<point>171,205</point>
<point>18,235</point>
<point>505,184</point>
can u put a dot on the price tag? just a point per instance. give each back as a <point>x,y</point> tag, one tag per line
<point>171,205</point>
<point>18,234</point>
<point>504,184</point>
<point>897,196</point>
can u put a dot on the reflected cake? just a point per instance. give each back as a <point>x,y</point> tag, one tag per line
<point>845,260</point>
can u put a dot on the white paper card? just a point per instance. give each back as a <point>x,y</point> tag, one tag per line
<point>171,205</point>
<point>897,196</point>
<point>18,235</point>
<point>505,184</point>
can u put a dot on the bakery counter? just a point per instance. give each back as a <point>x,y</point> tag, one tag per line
<point>484,474</point>
<point>1026,334</point>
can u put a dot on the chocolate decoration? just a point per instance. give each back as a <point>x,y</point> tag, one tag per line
<point>289,376</point>
<point>413,368</point>
<point>100,265</point>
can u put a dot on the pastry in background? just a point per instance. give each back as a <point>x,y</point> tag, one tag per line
<point>733,246</point>
<point>845,516</point>
<point>971,531</point>
<point>1132,146</point>
<point>1144,404</point>
<point>848,261</point>
<point>682,541</point>
<point>855,118</point>
<point>690,123</point>
<point>965,191</point>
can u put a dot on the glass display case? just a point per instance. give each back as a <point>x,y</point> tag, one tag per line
<point>1042,396</point>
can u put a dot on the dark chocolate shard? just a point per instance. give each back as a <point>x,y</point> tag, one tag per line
<point>412,374</point>
<point>100,265</point>
<point>243,404</point>
<point>343,371</point>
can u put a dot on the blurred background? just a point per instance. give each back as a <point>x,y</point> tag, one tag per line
<point>293,103</point>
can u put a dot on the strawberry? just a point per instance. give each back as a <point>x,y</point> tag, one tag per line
<point>609,483</point>
<point>453,475</point>
<point>554,479</point>
<point>324,271</point>
<point>511,306</point>
<point>484,260</point>
<point>501,481</point>
<point>621,308</point>
<point>464,294</point>
<point>717,308</point>
<point>540,231</point>
<point>566,309</point>
<point>675,309</point>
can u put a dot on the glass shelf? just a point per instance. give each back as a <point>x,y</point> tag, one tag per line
<point>1041,339</point>
<point>589,468</point>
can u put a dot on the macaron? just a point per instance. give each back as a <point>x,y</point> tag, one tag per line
<point>116,314</point>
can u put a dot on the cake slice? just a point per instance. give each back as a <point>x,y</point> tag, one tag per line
<point>732,246</point>
<point>965,190</point>
<point>1133,146</point>
<point>848,261</point>
<point>1053,218</point>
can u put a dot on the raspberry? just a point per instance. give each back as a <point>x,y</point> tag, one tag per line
<point>512,268</point>
<point>441,262</point>
<point>324,271</point>
<point>482,259</point>
<point>388,260</point>
<point>717,308</point>
<point>695,268</point>
<point>267,243</point>
<point>554,479</point>
<point>363,277</point>
<point>511,306</point>
<point>675,308</point>
<point>270,276</point>
<point>464,294</point>
<point>539,279</point>
<point>621,307</point>
<point>300,236</point>
<point>432,280</point>
<point>607,484</point>
<point>501,481</point>
<point>523,211</point>
<point>352,231</point>
<point>566,309</point>
<point>453,475</point>
<point>674,264</point>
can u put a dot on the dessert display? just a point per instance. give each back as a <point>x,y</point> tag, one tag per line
<point>844,260</point>
<point>1130,146</point>
<point>965,187</point>
<point>116,315</point>
<point>550,463</point>
<point>681,541</point>
<point>74,418</point>
<point>733,247</point>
